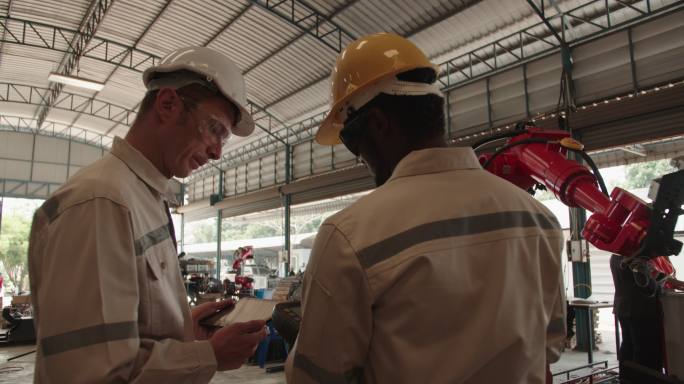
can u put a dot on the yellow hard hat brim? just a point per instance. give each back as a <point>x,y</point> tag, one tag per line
<point>329,131</point>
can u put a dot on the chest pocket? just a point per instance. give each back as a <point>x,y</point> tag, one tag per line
<point>162,300</point>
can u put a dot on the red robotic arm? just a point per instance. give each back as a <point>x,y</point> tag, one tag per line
<point>619,224</point>
<point>241,255</point>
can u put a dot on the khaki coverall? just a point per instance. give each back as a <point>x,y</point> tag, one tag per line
<point>445,274</point>
<point>109,301</point>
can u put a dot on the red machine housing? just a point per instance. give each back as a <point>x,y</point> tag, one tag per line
<point>241,255</point>
<point>618,224</point>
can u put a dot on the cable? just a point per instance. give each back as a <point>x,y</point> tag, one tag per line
<point>505,135</point>
<point>585,156</point>
<point>506,147</point>
<point>596,172</point>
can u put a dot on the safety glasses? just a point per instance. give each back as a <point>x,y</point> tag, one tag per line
<point>214,128</point>
<point>353,131</point>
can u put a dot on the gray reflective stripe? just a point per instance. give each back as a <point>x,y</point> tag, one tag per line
<point>320,375</point>
<point>151,238</point>
<point>50,207</point>
<point>461,226</point>
<point>556,326</point>
<point>88,336</point>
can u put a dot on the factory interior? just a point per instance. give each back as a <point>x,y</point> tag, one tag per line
<point>342,191</point>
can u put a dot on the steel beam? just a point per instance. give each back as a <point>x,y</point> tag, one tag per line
<point>52,37</point>
<point>51,129</point>
<point>413,32</point>
<point>228,24</point>
<point>28,94</point>
<point>462,64</point>
<point>89,26</point>
<point>5,191</point>
<point>541,12</point>
<point>309,21</point>
<point>636,149</point>
<point>4,31</point>
<point>308,31</point>
<point>219,220</point>
<point>41,35</point>
<point>123,58</point>
<point>518,42</point>
<point>499,54</point>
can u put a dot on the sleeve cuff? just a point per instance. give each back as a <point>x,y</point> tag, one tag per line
<point>206,359</point>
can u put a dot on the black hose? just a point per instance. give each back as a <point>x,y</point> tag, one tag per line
<point>582,153</point>
<point>505,135</point>
<point>498,152</point>
<point>594,169</point>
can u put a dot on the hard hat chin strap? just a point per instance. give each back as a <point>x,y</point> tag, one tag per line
<point>390,86</point>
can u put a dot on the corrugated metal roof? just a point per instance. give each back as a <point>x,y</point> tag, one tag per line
<point>65,14</point>
<point>281,74</point>
<point>401,17</point>
<point>125,87</point>
<point>253,37</point>
<point>5,6</point>
<point>474,27</point>
<point>17,68</point>
<point>188,22</point>
<point>127,20</point>
<point>326,7</point>
<point>278,56</point>
<point>300,104</point>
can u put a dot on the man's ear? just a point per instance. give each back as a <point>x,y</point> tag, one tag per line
<point>168,106</point>
<point>379,123</point>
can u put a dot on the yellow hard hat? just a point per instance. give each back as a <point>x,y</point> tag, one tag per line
<point>362,64</point>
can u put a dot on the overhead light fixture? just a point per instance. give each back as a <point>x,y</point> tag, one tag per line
<point>76,81</point>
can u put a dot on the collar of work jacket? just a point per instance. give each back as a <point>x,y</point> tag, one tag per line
<point>143,168</point>
<point>435,160</point>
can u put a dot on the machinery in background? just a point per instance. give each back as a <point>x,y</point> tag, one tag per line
<point>240,285</point>
<point>18,321</point>
<point>196,274</point>
<point>621,223</point>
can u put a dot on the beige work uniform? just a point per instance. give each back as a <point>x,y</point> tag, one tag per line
<point>445,274</point>
<point>109,301</point>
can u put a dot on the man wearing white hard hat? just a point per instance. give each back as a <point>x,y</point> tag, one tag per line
<point>109,301</point>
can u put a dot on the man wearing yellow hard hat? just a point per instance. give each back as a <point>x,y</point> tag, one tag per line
<point>445,273</point>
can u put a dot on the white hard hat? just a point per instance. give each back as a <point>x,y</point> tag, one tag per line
<point>219,71</point>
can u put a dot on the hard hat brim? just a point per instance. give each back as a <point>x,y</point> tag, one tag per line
<point>245,126</point>
<point>329,131</point>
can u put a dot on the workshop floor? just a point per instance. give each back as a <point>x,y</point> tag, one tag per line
<point>20,371</point>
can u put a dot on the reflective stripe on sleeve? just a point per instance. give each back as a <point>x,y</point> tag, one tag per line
<point>151,238</point>
<point>84,337</point>
<point>321,375</point>
<point>556,326</point>
<point>461,226</point>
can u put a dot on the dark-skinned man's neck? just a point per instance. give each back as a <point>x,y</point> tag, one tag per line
<point>427,143</point>
<point>433,142</point>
